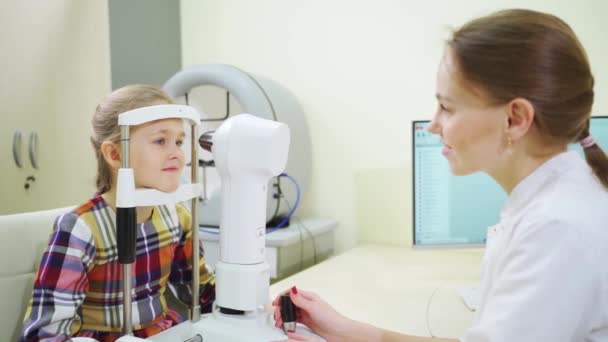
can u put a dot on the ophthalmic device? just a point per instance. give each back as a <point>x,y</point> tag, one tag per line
<point>248,151</point>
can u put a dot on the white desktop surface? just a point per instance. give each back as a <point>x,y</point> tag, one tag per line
<point>390,286</point>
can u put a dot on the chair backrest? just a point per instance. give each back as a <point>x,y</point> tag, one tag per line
<point>24,237</point>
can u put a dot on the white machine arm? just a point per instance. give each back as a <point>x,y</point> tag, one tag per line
<point>248,151</point>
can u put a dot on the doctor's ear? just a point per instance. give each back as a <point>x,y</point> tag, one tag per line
<point>111,154</point>
<point>520,116</point>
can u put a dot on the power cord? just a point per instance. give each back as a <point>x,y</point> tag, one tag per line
<point>300,225</point>
<point>301,248</point>
<point>295,206</point>
<point>428,307</point>
<point>312,239</point>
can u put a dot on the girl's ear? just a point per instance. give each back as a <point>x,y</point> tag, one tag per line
<point>111,154</point>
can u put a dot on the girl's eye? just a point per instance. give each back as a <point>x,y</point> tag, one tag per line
<point>179,142</point>
<point>160,141</point>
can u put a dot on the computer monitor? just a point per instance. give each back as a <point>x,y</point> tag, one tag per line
<point>453,210</point>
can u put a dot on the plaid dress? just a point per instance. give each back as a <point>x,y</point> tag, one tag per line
<point>78,288</point>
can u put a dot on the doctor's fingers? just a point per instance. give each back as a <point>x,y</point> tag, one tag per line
<point>277,318</point>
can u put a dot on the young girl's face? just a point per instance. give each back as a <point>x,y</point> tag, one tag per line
<point>472,131</point>
<point>156,157</point>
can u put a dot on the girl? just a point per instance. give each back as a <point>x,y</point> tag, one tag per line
<point>77,289</point>
<point>514,89</point>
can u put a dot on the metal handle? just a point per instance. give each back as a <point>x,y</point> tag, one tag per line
<point>126,232</point>
<point>196,338</point>
<point>33,149</point>
<point>195,314</point>
<point>17,148</point>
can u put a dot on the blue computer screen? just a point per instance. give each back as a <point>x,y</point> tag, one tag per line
<point>457,210</point>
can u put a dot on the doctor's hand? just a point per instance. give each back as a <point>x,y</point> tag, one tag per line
<point>316,314</point>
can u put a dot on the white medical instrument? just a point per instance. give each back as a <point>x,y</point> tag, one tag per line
<point>248,151</point>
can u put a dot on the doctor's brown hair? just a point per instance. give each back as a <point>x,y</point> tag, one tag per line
<point>536,56</point>
<point>105,122</point>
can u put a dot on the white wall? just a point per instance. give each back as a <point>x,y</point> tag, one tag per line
<point>362,70</point>
<point>55,64</point>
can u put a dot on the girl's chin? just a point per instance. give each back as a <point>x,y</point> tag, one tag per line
<point>160,187</point>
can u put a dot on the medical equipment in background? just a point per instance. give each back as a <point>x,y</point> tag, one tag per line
<point>263,98</point>
<point>248,151</point>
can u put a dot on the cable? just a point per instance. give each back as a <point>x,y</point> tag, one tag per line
<point>312,239</point>
<point>301,248</point>
<point>300,225</point>
<point>428,307</point>
<point>291,209</point>
<point>295,206</point>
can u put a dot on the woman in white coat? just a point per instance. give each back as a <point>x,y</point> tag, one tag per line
<point>514,89</point>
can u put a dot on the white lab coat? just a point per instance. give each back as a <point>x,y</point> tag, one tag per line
<point>545,269</point>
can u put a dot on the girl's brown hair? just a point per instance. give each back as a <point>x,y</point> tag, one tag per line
<point>105,122</point>
<point>536,56</point>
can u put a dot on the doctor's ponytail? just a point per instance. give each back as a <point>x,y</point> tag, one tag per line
<point>596,158</point>
<point>536,56</point>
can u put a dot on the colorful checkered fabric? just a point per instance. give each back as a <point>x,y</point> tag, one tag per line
<point>78,287</point>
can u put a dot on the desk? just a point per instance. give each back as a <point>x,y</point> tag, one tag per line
<point>390,287</point>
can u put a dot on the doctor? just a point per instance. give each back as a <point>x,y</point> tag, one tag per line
<point>514,89</point>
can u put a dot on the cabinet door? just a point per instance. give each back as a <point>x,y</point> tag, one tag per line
<point>56,68</point>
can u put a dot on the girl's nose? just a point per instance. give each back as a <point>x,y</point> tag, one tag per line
<point>175,152</point>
